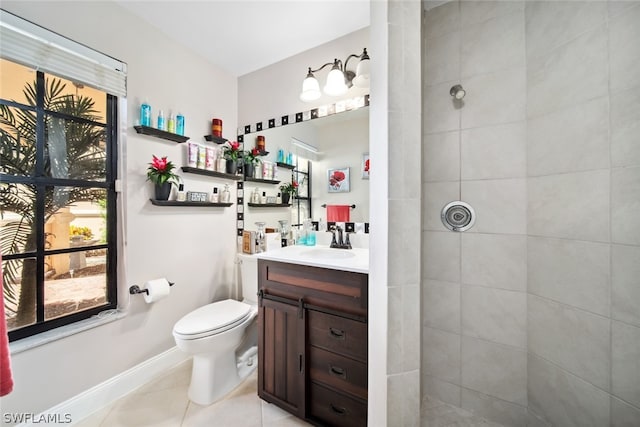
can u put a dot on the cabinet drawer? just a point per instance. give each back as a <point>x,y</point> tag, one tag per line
<point>336,409</point>
<point>333,289</point>
<point>337,334</point>
<point>338,372</point>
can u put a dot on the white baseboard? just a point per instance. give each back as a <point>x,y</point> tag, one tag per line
<point>95,398</point>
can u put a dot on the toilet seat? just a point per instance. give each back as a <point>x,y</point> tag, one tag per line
<point>212,319</point>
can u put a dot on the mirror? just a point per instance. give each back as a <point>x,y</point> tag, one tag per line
<point>341,140</point>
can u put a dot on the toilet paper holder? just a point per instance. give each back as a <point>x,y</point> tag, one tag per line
<point>135,289</point>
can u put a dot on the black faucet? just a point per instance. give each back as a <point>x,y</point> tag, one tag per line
<point>339,244</point>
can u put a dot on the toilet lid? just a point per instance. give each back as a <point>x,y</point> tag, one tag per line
<point>212,317</point>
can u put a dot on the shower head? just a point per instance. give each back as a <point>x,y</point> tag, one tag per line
<point>457,92</point>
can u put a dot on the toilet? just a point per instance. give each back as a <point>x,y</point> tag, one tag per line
<point>222,338</point>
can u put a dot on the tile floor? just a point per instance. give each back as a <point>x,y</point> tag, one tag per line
<point>164,402</point>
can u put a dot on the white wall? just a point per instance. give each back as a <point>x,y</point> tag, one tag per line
<point>194,247</point>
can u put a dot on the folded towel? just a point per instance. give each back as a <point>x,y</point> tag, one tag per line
<point>6,381</point>
<point>338,213</point>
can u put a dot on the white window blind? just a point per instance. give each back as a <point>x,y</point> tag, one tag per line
<point>33,46</point>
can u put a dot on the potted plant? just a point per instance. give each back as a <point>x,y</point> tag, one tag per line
<point>251,160</point>
<point>231,154</point>
<point>160,172</point>
<point>289,189</point>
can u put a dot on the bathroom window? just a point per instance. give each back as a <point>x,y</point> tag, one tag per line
<point>58,166</point>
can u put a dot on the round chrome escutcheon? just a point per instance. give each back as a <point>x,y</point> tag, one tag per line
<point>458,216</point>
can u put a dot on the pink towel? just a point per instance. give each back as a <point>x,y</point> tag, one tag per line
<point>6,381</point>
<point>338,213</point>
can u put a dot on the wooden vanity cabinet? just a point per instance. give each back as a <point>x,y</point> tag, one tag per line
<point>313,342</point>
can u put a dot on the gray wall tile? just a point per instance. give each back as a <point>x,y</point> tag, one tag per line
<point>441,157</point>
<point>394,330</point>
<point>411,328</point>
<point>497,261</point>
<point>624,33</point>
<point>570,271</point>
<point>623,414</point>
<point>494,98</point>
<point>441,113</point>
<point>495,315</point>
<point>500,205</point>
<point>443,19</point>
<point>436,196</point>
<point>474,12</point>
<point>564,399</point>
<point>625,283</point>
<point>441,256</point>
<point>494,152</point>
<point>559,206</point>
<point>442,58</point>
<point>551,24</point>
<point>497,410</point>
<point>570,140</point>
<point>576,340</point>
<point>620,7</point>
<point>495,370</point>
<point>492,45</point>
<point>625,205</point>
<point>404,219</point>
<point>441,355</point>
<point>441,390</point>
<point>625,127</point>
<point>625,362</point>
<point>573,73</point>
<point>441,305</point>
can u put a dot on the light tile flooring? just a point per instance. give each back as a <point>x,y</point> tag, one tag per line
<point>164,402</point>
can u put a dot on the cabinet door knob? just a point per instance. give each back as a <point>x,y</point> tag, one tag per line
<point>336,333</point>
<point>337,371</point>
<point>340,410</point>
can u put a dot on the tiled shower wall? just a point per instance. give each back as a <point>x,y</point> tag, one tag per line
<point>535,312</point>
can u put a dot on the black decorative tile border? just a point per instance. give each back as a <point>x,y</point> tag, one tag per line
<point>302,116</point>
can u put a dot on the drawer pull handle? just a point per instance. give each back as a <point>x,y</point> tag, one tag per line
<point>337,371</point>
<point>338,409</point>
<point>336,333</point>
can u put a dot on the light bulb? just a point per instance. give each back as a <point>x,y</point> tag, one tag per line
<point>335,83</point>
<point>362,74</point>
<point>310,89</point>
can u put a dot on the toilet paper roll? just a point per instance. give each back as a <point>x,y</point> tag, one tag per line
<point>158,289</point>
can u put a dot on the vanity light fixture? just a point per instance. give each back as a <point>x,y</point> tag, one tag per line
<point>339,80</point>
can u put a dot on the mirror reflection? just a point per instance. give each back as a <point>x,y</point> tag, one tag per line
<point>326,159</point>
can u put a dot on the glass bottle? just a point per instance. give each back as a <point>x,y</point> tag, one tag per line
<point>261,242</point>
<point>284,232</point>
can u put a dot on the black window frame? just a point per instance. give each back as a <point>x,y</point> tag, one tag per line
<point>41,182</point>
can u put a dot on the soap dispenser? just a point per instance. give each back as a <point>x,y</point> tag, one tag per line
<point>226,194</point>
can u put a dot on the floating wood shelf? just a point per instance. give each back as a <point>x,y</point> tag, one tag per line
<point>146,130</point>
<point>285,165</point>
<point>269,205</point>
<point>215,174</point>
<point>199,204</point>
<point>265,181</point>
<point>216,139</point>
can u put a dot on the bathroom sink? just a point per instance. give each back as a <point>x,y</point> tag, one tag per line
<point>329,253</point>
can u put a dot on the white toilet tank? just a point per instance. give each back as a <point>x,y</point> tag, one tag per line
<point>249,278</point>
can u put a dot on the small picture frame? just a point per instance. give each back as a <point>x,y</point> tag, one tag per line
<point>338,180</point>
<point>365,166</point>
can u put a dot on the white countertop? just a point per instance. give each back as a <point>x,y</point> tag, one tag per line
<point>355,260</point>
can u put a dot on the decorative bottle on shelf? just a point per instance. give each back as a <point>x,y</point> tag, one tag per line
<point>182,196</point>
<point>255,196</point>
<point>214,198</point>
<point>145,114</point>
<point>226,194</point>
<point>263,199</point>
<point>161,123</point>
<point>171,124</point>
<point>180,124</point>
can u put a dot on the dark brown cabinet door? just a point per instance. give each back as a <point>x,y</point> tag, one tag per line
<point>281,358</point>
